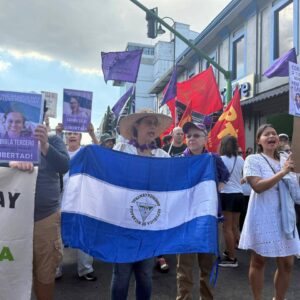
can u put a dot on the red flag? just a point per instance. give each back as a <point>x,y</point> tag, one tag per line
<point>171,106</point>
<point>229,123</point>
<point>202,91</point>
<point>167,131</point>
<point>187,115</point>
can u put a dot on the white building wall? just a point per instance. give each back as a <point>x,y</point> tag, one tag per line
<point>163,58</point>
<point>183,29</point>
<point>265,40</point>
<point>153,67</point>
<point>223,60</point>
<point>251,45</point>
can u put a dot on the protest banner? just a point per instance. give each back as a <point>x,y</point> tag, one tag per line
<point>77,107</point>
<point>20,113</point>
<point>17,191</point>
<point>294,86</point>
<point>51,103</point>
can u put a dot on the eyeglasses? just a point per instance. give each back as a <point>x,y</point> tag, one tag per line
<point>287,150</point>
<point>240,153</point>
<point>195,135</point>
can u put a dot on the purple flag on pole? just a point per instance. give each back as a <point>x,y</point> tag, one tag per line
<point>122,66</point>
<point>280,66</point>
<point>171,89</point>
<point>122,102</point>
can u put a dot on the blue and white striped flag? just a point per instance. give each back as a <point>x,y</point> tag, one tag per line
<point>122,208</point>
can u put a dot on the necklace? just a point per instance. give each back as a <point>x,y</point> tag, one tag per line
<point>143,147</point>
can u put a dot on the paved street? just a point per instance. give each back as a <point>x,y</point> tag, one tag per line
<point>231,284</point>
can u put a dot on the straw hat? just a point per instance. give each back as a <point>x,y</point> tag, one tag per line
<point>126,124</point>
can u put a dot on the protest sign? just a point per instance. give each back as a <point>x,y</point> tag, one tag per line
<point>20,113</point>
<point>296,144</point>
<point>294,85</point>
<point>51,103</point>
<point>17,191</point>
<point>77,108</point>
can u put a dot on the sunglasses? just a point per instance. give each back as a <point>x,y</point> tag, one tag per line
<point>287,150</point>
<point>195,135</point>
<point>240,153</point>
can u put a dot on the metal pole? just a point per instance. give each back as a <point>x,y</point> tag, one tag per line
<point>200,53</point>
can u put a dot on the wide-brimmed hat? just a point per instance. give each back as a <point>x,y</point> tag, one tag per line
<point>188,125</point>
<point>126,124</point>
<point>106,137</point>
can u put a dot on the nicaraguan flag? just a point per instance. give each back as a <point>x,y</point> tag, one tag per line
<point>122,208</point>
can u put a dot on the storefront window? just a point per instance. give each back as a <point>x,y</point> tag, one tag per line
<point>283,28</point>
<point>238,59</point>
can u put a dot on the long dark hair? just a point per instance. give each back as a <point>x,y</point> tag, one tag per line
<point>259,133</point>
<point>15,111</point>
<point>229,146</point>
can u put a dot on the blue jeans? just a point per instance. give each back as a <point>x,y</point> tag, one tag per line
<point>143,279</point>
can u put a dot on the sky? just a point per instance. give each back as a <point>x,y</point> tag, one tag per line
<point>49,45</point>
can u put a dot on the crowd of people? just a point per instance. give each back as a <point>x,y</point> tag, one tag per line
<point>255,180</point>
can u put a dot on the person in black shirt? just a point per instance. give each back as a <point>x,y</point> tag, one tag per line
<point>177,146</point>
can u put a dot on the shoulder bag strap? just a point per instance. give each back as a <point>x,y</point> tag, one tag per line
<point>268,163</point>
<point>235,158</point>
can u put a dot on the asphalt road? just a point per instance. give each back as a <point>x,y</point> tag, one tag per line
<point>232,283</point>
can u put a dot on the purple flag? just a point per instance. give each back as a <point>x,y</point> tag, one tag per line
<point>118,107</point>
<point>122,66</point>
<point>280,66</point>
<point>171,89</point>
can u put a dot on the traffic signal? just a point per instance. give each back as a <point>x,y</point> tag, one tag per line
<point>152,24</point>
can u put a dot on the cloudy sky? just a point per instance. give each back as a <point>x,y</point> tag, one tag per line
<point>51,44</point>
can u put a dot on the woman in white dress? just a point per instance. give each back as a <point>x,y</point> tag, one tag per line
<point>263,231</point>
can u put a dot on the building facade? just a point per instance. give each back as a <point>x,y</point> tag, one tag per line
<point>246,38</point>
<point>156,61</point>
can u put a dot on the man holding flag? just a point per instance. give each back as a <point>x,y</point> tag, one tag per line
<point>196,136</point>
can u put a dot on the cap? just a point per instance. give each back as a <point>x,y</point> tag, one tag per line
<point>106,137</point>
<point>283,135</point>
<point>188,125</point>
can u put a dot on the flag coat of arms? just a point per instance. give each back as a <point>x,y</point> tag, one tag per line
<point>123,208</point>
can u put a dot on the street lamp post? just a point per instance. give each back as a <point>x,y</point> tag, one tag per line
<point>227,74</point>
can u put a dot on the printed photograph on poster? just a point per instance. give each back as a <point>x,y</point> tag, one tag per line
<point>77,107</point>
<point>51,103</point>
<point>294,82</point>
<point>20,113</point>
